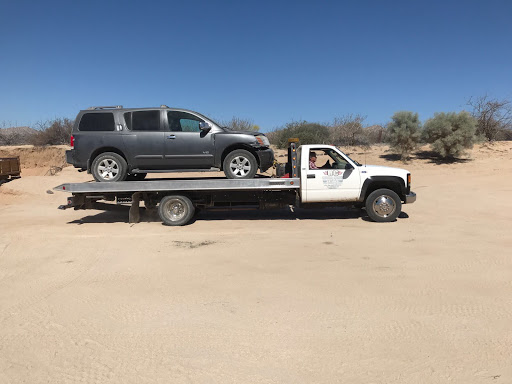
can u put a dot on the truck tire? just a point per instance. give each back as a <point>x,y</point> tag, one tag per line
<point>136,176</point>
<point>109,167</point>
<point>240,164</point>
<point>176,210</point>
<point>383,205</point>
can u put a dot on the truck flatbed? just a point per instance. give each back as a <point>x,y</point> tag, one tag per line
<point>182,185</point>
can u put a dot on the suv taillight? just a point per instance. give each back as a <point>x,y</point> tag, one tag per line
<point>72,142</point>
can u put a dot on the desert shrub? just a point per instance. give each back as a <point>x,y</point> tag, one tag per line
<point>505,135</point>
<point>493,116</point>
<point>374,134</point>
<point>15,135</point>
<point>450,134</point>
<point>238,124</point>
<point>348,130</point>
<point>306,132</point>
<point>54,132</point>
<point>404,133</point>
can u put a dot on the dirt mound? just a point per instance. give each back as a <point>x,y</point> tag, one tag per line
<point>37,161</point>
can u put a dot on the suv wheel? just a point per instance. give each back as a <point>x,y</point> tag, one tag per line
<point>109,167</point>
<point>240,164</point>
<point>383,205</point>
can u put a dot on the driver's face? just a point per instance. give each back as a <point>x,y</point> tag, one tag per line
<point>312,158</point>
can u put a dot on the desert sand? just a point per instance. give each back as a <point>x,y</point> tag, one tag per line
<point>322,296</point>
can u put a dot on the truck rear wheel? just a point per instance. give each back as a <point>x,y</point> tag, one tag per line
<point>240,164</point>
<point>383,205</point>
<point>176,210</point>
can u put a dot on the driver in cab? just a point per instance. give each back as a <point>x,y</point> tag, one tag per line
<point>312,162</point>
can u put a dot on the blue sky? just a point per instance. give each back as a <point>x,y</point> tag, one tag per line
<point>268,61</point>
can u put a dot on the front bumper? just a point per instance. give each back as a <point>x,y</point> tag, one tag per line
<point>410,198</point>
<point>266,157</point>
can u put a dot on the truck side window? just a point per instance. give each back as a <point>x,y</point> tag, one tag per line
<point>183,122</point>
<point>146,121</point>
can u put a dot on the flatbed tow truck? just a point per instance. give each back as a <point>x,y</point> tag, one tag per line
<point>341,181</point>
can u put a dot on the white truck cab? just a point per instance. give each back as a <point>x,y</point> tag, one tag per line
<point>334,177</point>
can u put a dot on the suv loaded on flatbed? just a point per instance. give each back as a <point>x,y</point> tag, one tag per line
<point>116,144</point>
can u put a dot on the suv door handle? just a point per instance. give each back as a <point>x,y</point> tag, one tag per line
<point>311,176</point>
<point>171,137</point>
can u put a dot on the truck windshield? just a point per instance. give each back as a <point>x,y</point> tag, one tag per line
<point>354,161</point>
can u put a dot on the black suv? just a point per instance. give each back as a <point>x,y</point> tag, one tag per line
<point>116,143</point>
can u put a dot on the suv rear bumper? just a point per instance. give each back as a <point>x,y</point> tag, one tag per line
<point>266,157</point>
<point>410,198</point>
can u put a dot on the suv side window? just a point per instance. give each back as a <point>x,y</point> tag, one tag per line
<point>99,121</point>
<point>183,122</point>
<point>143,120</point>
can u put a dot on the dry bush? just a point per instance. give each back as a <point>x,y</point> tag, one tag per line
<point>493,116</point>
<point>348,130</point>
<point>239,124</point>
<point>450,134</point>
<point>404,132</point>
<point>306,132</point>
<point>53,132</point>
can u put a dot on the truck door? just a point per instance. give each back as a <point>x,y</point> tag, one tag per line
<point>186,146</point>
<point>334,178</point>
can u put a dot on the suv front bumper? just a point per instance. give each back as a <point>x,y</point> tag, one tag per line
<point>266,157</point>
<point>410,198</point>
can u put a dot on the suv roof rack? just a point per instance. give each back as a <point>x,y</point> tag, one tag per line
<point>106,107</point>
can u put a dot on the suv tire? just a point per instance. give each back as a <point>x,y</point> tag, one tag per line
<point>109,167</point>
<point>383,205</point>
<point>176,210</point>
<point>240,164</point>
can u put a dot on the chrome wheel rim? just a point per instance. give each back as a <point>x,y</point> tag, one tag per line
<point>175,210</point>
<point>108,169</point>
<point>384,206</point>
<point>240,166</point>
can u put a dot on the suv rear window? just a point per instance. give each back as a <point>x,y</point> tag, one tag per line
<point>97,122</point>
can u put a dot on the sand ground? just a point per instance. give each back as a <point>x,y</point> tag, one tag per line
<point>263,297</point>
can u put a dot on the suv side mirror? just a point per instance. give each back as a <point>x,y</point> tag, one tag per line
<point>204,126</point>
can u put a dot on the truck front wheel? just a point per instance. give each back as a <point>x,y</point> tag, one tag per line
<point>176,210</point>
<point>240,164</point>
<point>383,205</point>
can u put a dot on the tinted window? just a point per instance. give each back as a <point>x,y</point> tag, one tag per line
<point>145,121</point>
<point>97,122</point>
<point>183,122</point>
